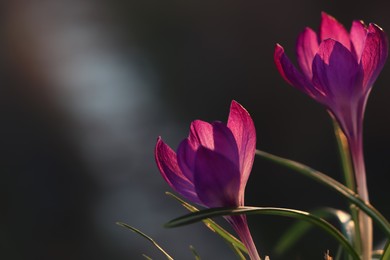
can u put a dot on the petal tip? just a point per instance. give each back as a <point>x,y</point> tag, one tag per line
<point>372,27</point>
<point>359,22</point>
<point>278,47</point>
<point>325,16</point>
<point>278,53</point>
<point>235,104</point>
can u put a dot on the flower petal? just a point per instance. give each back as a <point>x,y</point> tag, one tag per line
<point>330,28</point>
<point>186,154</point>
<point>201,133</point>
<point>167,164</point>
<point>335,71</point>
<point>225,142</point>
<point>218,138</point>
<point>358,37</point>
<point>290,73</point>
<point>244,132</point>
<point>307,47</point>
<point>374,54</point>
<point>217,179</point>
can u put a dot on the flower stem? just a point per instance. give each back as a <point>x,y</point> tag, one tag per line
<point>240,225</point>
<point>356,148</point>
<point>350,182</point>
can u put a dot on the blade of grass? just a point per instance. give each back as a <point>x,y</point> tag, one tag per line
<point>238,252</point>
<point>196,255</point>
<point>386,251</point>
<point>296,231</point>
<point>147,237</point>
<point>324,179</point>
<point>297,214</point>
<point>229,238</point>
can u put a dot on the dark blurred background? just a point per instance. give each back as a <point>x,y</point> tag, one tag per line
<point>87,86</point>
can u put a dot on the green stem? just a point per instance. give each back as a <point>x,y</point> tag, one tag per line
<point>345,157</point>
<point>350,182</point>
<point>347,193</point>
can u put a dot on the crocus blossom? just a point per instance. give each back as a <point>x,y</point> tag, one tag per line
<point>211,167</point>
<point>338,69</point>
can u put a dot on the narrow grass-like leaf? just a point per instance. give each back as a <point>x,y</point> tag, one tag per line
<point>238,252</point>
<point>210,224</point>
<point>339,252</point>
<point>300,228</point>
<point>147,257</point>
<point>147,237</point>
<point>324,179</point>
<point>297,214</point>
<point>196,255</point>
<point>386,251</point>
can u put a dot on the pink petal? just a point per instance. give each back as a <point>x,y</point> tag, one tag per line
<point>244,132</point>
<point>201,133</point>
<point>358,37</point>
<point>374,54</point>
<point>186,154</point>
<point>330,28</point>
<point>335,71</point>
<point>307,47</point>
<point>217,179</point>
<point>223,142</point>
<point>167,164</point>
<point>290,73</point>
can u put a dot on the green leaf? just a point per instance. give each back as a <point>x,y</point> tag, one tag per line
<point>297,214</point>
<point>386,251</point>
<point>324,179</point>
<point>147,237</point>
<point>238,252</point>
<point>300,228</point>
<point>229,238</point>
<point>196,255</point>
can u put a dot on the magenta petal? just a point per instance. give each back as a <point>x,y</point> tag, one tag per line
<point>217,179</point>
<point>201,133</point>
<point>168,166</point>
<point>244,132</point>
<point>374,54</point>
<point>290,73</point>
<point>330,28</point>
<point>307,47</point>
<point>186,154</point>
<point>225,143</point>
<point>335,71</point>
<point>358,38</point>
<point>220,140</point>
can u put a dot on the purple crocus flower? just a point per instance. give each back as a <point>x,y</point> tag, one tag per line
<point>212,166</point>
<point>338,69</point>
